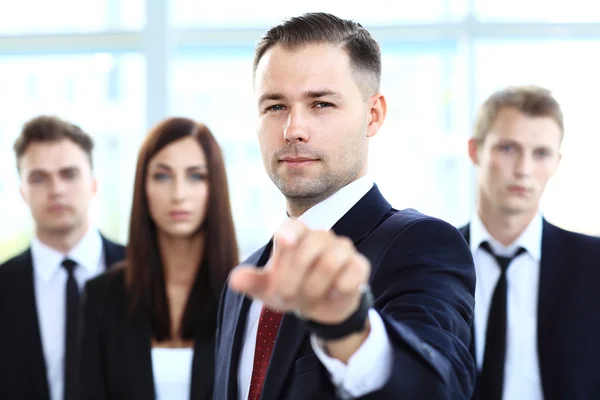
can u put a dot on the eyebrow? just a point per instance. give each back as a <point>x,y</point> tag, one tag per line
<point>39,171</point>
<point>191,167</point>
<point>309,94</point>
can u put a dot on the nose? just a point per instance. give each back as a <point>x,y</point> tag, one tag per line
<point>57,185</point>
<point>295,128</point>
<point>179,190</point>
<point>524,165</point>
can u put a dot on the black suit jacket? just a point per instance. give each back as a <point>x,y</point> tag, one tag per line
<point>423,281</point>
<point>568,323</point>
<point>116,361</point>
<point>22,364</point>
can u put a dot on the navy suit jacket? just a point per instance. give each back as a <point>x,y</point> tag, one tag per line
<point>423,281</point>
<point>568,324</point>
<point>22,364</point>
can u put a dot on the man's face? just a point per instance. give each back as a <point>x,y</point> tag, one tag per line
<point>516,159</point>
<point>57,184</point>
<point>314,121</point>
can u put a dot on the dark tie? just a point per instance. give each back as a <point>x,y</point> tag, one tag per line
<point>268,325</point>
<point>492,372</point>
<point>72,314</point>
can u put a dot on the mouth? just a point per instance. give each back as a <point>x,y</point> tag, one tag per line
<point>179,215</point>
<point>518,189</point>
<point>297,160</point>
<point>57,208</point>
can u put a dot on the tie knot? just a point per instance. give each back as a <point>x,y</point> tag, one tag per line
<point>69,265</point>
<point>502,261</point>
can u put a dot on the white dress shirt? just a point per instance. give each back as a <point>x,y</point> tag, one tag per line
<point>172,372</point>
<point>521,368</point>
<point>370,367</point>
<point>50,280</point>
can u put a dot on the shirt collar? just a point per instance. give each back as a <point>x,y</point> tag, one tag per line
<point>325,214</point>
<point>530,239</point>
<point>88,253</point>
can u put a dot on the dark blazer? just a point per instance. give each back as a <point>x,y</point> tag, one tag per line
<point>116,361</point>
<point>22,364</point>
<point>568,325</point>
<point>423,281</point>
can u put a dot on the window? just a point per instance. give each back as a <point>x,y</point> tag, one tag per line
<point>263,13</point>
<point>67,16</point>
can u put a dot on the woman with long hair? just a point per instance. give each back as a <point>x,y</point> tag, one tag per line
<point>147,327</point>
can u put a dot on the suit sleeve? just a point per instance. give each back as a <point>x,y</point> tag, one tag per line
<point>424,289</point>
<point>91,358</point>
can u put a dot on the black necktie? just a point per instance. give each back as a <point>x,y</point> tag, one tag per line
<point>72,314</point>
<point>492,372</point>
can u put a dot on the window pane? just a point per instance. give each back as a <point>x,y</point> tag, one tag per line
<point>570,70</point>
<point>418,159</point>
<point>102,93</point>
<point>262,13</point>
<point>538,10</point>
<point>65,16</point>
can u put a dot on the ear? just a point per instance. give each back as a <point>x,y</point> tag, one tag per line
<point>94,185</point>
<point>22,192</point>
<point>377,113</point>
<point>474,151</point>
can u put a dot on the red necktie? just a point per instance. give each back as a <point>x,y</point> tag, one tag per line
<point>268,325</point>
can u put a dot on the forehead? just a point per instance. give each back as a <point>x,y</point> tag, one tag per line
<point>182,152</point>
<point>294,71</point>
<point>512,124</point>
<point>53,156</point>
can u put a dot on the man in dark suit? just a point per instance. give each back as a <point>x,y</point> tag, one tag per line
<point>537,312</point>
<point>39,289</point>
<point>352,298</point>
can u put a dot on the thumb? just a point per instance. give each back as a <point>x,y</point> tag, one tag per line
<point>249,280</point>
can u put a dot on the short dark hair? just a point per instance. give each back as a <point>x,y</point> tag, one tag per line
<point>323,28</point>
<point>144,271</point>
<point>531,100</point>
<point>49,128</point>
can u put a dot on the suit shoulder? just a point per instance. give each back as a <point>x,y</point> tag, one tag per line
<point>407,218</point>
<point>581,240</point>
<point>15,265</point>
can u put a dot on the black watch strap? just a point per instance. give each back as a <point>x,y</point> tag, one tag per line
<point>353,324</point>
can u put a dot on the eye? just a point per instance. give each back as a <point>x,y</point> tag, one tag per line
<point>276,107</point>
<point>196,176</point>
<point>542,153</point>
<point>69,174</point>
<point>506,147</point>
<point>160,176</point>
<point>36,178</point>
<point>323,104</point>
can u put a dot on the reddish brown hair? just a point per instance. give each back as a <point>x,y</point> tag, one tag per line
<point>144,271</point>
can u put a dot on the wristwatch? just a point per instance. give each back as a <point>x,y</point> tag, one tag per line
<point>353,324</point>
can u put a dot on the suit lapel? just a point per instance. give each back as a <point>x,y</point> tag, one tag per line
<point>237,306</point>
<point>356,224</point>
<point>548,297</point>
<point>204,360</point>
<point>31,335</point>
<point>138,348</point>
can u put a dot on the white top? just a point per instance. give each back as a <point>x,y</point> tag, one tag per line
<point>172,371</point>
<point>521,368</point>
<point>50,280</point>
<point>370,367</point>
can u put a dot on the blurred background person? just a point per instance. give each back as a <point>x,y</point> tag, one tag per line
<point>536,301</point>
<point>40,288</point>
<point>148,330</point>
